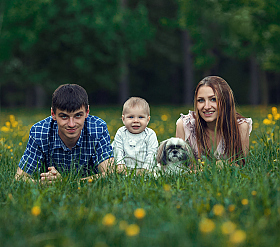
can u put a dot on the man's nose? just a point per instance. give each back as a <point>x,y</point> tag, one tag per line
<point>71,122</point>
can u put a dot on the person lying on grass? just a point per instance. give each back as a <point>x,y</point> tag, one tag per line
<point>215,126</point>
<point>135,145</point>
<point>68,141</point>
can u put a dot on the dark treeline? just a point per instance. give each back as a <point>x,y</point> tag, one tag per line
<point>156,49</point>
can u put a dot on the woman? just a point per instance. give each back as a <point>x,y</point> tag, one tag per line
<point>215,125</point>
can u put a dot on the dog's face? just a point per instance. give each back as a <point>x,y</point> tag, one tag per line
<point>174,152</point>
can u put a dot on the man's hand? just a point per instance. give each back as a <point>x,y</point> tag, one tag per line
<point>51,176</point>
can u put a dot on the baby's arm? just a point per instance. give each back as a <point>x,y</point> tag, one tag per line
<point>118,149</point>
<point>152,146</point>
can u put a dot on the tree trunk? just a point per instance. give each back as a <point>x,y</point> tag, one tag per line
<point>40,96</point>
<point>264,87</point>
<point>187,68</point>
<point>124,82</point>
<point>254,81</point>
<point>124,79</point>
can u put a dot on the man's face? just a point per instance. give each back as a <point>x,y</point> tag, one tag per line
<point>70,124</point>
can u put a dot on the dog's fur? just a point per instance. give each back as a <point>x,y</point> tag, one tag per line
<point>174,154</point>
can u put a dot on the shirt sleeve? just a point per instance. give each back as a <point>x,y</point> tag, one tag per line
<point>119,148</point>
<point>33,156</point>
<point>103,146</point>
<point>249,121</point>
<point>152,148</point>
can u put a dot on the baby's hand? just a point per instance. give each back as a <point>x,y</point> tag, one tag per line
<point>121,169</point>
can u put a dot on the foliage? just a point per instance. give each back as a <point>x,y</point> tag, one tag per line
<point>216,207</point>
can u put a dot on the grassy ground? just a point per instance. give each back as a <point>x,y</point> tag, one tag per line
<point>216,207</point>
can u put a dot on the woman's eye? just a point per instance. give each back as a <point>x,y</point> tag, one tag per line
<point>213,99</point>
<point>200,100</point>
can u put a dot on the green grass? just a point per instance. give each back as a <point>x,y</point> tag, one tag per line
<point>72,213</point>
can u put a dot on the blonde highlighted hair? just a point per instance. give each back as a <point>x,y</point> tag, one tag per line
<point>136,102</point>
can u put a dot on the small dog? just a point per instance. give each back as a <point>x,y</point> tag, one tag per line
<point>174,154</point>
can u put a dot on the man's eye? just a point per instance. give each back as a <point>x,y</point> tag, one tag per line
<point>78,115</point>
<point>64,117</point>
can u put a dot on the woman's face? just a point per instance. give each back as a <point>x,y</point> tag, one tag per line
<point>207,104</point>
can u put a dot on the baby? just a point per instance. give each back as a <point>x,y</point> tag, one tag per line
<point>135,145</point>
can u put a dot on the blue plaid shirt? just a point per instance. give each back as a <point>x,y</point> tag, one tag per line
<point>45,148</point>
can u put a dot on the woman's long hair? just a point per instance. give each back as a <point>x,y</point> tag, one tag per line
<point>226,124</point>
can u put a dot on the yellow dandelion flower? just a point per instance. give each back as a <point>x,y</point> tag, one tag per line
<point>231,208</point>
<point>139,213</point>
<point>132,230</point>
<point>267,212</point>
<point>206,225</point>
<point>274,110</point>
<point>237,237</point>
<point>254,142</point>
<point>5,129</point>
<point>254,193</point>
<point>90,180</point>
<point>219,194</point>
<point>266,121</point>
<point>269,116</point>
<point>36,210</point>
<point>123,225</point>
<point>108,220</point>
<point>167,187</point>
<point>164,117</point>
<point>245,201</point>
<point>20,144</point>
<point>218,209</point>
<point>277,116</point>
<point>228,227</point>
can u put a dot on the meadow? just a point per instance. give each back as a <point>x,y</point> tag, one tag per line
<point>216,207</point>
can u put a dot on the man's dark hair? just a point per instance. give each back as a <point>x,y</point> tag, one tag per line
<point>69,97</point>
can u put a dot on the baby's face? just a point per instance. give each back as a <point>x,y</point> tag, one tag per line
<point>135,119</point>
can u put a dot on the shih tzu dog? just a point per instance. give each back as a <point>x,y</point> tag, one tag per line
<point>175,155</point>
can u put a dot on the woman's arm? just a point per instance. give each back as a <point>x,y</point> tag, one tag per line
<point>244,133</point>
<point>180,129</point>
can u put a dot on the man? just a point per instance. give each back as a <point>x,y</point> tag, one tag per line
<point>70,140</point>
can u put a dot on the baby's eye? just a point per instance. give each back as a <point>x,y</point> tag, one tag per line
<point>130,117</point>
<point>141,117</point>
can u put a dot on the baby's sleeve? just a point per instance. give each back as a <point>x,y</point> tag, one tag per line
<point>118,148</point>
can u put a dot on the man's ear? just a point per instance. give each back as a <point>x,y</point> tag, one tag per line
<point>53,114</point>
<point>87,112</point>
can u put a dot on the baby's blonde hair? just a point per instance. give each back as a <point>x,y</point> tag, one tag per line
<point>136,102</point>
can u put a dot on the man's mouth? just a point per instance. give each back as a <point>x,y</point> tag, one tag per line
<point>71,130</point>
